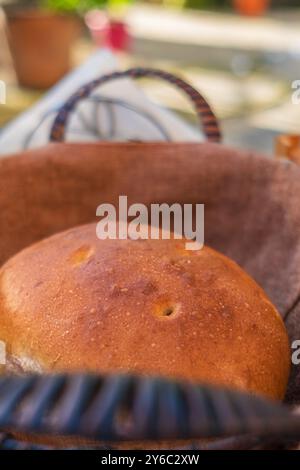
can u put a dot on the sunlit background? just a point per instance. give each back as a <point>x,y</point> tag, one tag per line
<point>243,55</point>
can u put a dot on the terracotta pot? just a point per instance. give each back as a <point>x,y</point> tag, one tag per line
<point>251,7</point>
<point>40,44</point>
<point>288,146</point>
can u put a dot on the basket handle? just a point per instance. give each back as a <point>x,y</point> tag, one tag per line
<point>136,408</point>
<point>208,121</point>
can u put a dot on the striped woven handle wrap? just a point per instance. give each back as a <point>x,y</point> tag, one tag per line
<point>208,121</point>
<point>121,407</point>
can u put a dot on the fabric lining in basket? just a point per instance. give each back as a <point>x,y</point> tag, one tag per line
<point>252,212</point>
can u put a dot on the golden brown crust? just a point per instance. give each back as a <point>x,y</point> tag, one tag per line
<point>73,302</point>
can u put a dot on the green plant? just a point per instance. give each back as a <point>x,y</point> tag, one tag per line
<point>206,4</point>
<point>73,5</point>
<point>82,6</point>
<point>67,6</point>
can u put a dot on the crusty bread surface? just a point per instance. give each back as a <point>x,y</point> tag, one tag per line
<point>73,302</point>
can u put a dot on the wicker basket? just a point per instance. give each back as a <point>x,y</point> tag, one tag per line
<point>252,215</point>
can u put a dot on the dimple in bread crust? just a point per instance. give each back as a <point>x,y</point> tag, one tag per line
<point>76,303</point>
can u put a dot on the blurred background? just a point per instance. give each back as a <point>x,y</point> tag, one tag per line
<point>243,55</point>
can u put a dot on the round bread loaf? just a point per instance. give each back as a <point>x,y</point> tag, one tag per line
<point>73,302</point>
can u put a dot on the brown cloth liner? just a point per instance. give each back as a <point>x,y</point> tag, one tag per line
<point>252,209</point>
